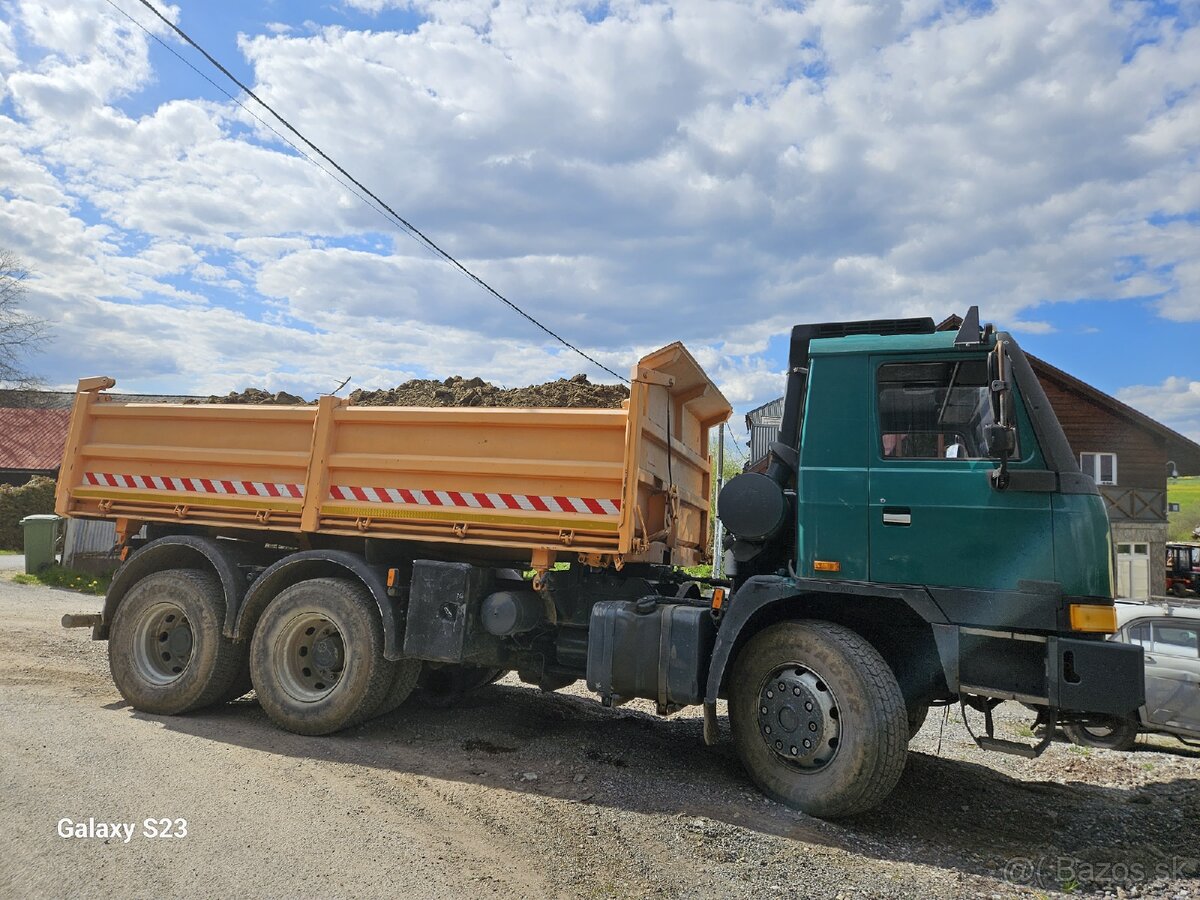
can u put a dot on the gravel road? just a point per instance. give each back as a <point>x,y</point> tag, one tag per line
<point>525,794</point>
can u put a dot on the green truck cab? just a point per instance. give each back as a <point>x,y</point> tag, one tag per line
<point>921,499</point>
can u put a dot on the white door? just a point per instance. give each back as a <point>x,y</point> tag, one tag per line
<point>1133,571</point>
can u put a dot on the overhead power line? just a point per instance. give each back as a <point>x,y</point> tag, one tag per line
<point>374,201</point>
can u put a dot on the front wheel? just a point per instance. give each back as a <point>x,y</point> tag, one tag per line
<point>818,718</point>
<point>1107,733</point>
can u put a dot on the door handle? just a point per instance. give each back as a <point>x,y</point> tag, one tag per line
<point>897,515</point>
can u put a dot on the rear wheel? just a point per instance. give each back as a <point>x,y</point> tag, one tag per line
<point>917,713</point>
<point>818,719</point>
<point>1108,733</point>
<point>316,659</point>
<point>166,650</point>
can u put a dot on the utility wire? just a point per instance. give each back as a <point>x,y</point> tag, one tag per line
<point>395,216</point>
<point>183,59</point>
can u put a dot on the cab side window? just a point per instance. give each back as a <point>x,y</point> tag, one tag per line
<point>934,410</point>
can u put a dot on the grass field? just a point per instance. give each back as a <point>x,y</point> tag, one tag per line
<point>1185,492</point>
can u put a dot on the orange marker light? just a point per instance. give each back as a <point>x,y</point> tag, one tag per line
<point>393,576</point>
<point>1093,617</point>
<point>827,565</point>
<point>718,597</point>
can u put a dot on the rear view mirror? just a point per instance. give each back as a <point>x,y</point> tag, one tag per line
<point>1001,441</point>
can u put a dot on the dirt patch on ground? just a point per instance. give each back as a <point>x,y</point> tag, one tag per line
<point>571,393</point>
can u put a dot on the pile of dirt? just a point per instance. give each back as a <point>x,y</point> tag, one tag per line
<point>570,393</point>
<point>255,396</point>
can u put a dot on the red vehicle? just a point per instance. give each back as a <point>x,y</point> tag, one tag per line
<point>1183,568</point>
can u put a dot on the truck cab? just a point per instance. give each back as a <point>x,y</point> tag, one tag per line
<point>922,494</point>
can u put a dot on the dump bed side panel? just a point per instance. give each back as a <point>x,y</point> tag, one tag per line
<point>526,478</point>
<point>609,484</point>
<point>215,465</point>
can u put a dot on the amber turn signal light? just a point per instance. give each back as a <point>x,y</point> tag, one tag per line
<point>826,565</point>
<point>718,598</point>
<point>1093,617</point>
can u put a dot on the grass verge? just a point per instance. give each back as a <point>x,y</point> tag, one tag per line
<point>58,577</point>
<point>1185,492</point>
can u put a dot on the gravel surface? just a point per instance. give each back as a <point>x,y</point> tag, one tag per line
<point>524,794</point>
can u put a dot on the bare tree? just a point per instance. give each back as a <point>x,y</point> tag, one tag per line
<point>20,333</point>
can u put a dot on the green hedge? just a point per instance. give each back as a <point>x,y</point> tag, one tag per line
<point>18,502</point>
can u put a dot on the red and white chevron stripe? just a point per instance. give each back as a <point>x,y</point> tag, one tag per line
<point>196,485</point>
<point>477,500</point>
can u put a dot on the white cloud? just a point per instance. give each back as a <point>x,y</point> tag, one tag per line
<point>631,173</point>
<point>1175,402</point>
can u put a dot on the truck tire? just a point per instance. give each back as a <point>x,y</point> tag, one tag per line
<point>316,658</point>
<point>833,740</point>
<point>1114,733</point>
<point>445,685</point>
<point>405,682</point>
<point>166,650</point>
<point>917,713</point>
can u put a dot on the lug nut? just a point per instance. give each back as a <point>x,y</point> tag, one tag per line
<point>807,744</point>
<point>808,707</point>
<point>812,726</point>
<point>796,691</point>
<point>794,751</point>
<point>763,710</point>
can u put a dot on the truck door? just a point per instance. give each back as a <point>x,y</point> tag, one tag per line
<point>935,518</point>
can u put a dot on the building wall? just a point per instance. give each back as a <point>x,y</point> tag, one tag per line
<point>1092,428</point>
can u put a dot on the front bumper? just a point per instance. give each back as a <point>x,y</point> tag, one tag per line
<point>1084,676</point>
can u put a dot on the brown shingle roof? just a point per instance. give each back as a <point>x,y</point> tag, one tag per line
<point>33,439</point>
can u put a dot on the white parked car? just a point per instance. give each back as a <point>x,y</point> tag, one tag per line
<point>1170,634</point>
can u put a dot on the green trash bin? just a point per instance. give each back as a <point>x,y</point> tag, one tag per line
<point>41,537</point>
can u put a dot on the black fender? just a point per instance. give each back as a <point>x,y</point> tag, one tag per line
<point>762,592</point>
<point>182,551</point>
<point>318,564</point>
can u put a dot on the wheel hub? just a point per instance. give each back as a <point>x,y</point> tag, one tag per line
<point>163,643</point>
<point>798,717</point>
<point>328,652</point>
<point>310,657</point>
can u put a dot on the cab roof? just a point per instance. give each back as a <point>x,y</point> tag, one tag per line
<point>887,343</point>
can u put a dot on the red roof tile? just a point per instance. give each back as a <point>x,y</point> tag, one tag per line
<point>33,439</point>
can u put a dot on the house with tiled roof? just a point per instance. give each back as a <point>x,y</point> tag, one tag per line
<point>33,430</point>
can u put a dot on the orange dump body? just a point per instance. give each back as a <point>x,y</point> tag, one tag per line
<point>609,485</point>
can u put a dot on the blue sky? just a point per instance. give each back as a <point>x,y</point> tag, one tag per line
<point>631,173</point>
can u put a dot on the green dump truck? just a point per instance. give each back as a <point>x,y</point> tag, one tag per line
<point>920,534</point>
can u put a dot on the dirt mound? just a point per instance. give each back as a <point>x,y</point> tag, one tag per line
<point>573,392</point>
<point>576,391</point>
<point>255,396</point>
